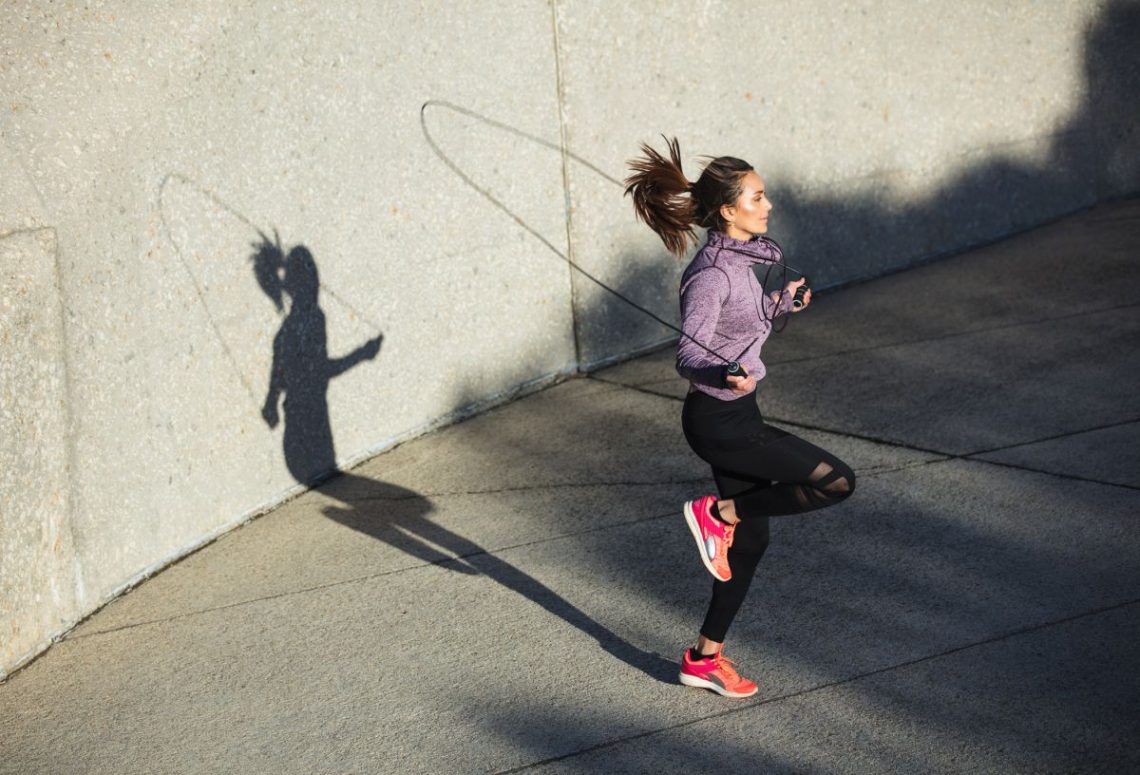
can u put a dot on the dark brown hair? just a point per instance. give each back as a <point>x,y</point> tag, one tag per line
<point>670,205</point>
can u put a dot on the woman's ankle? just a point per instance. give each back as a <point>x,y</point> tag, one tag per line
<point>707,648</point>
<point>725,511</point>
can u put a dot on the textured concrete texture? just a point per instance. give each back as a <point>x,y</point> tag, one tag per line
<point>288,236</point>
<point>512,593</point>
<point>37,556</point>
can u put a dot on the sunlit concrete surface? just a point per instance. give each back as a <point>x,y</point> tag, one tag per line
<point>37,555</point>
<point>512,593</point>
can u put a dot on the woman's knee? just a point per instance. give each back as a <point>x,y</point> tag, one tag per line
<point>838,482</point>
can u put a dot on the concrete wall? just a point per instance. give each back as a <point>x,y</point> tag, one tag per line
<point>425,169</point>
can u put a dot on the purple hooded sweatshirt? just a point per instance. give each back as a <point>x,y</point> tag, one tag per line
<point>724,308</point>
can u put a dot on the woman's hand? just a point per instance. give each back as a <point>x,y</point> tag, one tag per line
<point>741,386</point>
<point>269,413</point>
<point>791,291</point>
<point>370,348</point>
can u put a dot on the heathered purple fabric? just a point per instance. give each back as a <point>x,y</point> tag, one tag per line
<point>724,308</point>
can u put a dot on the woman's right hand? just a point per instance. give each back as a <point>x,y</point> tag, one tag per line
<point>741,386</point>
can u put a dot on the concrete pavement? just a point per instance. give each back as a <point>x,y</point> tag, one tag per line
<point>512,593</point>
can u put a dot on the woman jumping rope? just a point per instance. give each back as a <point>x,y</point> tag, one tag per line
<point>760,471</point>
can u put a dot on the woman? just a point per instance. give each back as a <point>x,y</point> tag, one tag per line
<point>760,471</point>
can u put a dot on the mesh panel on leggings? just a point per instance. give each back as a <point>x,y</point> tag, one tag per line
<point>827,487</point>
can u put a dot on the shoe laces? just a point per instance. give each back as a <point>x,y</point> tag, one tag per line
<point>725,664</point>
<point>729,530</point>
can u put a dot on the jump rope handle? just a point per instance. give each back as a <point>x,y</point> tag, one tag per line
<point>734,369</point>
<point>798,299</point>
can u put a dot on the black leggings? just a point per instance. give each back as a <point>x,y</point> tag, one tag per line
<point>765,472</point>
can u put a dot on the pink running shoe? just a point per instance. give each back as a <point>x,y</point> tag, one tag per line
<point>713,537</point>
<point>716,673</point>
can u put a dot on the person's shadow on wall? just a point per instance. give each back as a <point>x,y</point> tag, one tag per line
<point>301,372</point>
<point>302,368</point>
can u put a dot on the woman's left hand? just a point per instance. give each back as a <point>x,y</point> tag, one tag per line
<point>791,291</point>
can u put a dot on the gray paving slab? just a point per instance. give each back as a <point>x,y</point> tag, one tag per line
<point>971,393</point>
<point>1040,701</point>
<point>1106,455</point>
<point>407,671</point>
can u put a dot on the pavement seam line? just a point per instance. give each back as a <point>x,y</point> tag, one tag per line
<point>1071,477</point>
<point>524,488</point>
<point>934,338</point>
<point>1106,426</point>
<point>782,421</point>
<point>953,335</point>
<point>871,474</point>
<point>441,562</point>
<point>636,388</point>
<point>943,455</point>
<point>968,457</point>
<point>828,685</point>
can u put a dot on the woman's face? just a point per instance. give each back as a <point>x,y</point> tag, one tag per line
<point>750,213</point>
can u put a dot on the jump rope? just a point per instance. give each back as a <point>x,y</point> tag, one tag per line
<point>732,365</point>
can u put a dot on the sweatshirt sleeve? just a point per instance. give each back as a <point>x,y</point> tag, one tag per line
<point>775,309</point>
<point>701,302</point>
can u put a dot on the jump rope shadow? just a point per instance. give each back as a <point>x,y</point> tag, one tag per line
<point>300,374</point>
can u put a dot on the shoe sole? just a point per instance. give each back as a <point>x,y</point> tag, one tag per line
<point>694,528</point>
<point>700,683</point>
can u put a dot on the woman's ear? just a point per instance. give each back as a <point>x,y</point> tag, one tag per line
<point>727,213</point>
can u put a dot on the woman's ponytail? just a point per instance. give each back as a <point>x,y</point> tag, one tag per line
<point>662,196</point>
<point>671,205</point>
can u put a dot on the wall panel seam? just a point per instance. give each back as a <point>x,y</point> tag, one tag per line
<point>567,209</point>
